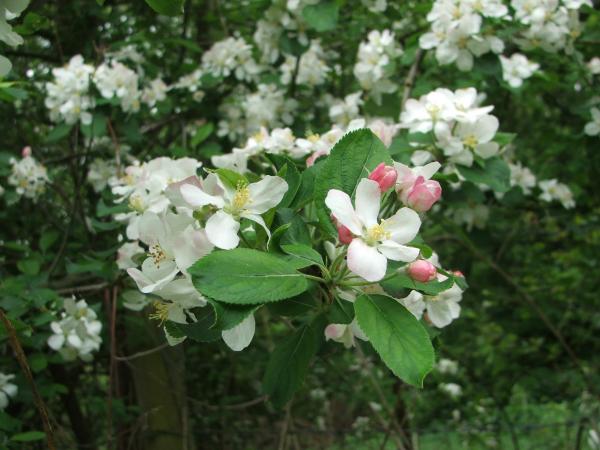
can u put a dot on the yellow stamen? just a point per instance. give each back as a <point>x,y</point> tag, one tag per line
<point>313,138</point>
<point>161,311</point>
<point>136,203</point>
<point>157,254</point>
<point>241,197</point>
<point>377,233</point>
<point>470,141</point>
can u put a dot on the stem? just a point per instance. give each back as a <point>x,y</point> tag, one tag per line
<point>22,359</point>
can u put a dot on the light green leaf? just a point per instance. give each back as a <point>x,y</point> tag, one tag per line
<point>289,362</point>
<point>303,252</point>
<point>244,276</point>
<point>28,436</point>
<point>401,341</point>
<point>202,134</point>
<point>495,174</point>
<point>322,16</point>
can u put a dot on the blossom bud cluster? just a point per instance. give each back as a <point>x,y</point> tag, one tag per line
<point>77,333</point>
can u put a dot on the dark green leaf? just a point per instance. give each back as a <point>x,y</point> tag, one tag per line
<point>399,338</point>
<point>167,7</point>
<point>402,281</point>
<point>323,16</point>
<point>495,174</point>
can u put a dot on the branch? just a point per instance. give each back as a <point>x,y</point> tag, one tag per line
<point>410,78</point>
<point>22,359</point>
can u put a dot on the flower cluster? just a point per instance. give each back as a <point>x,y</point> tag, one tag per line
<point>28,176</point>
<point>592,128</point>
<point>462,129</point>
<point>374,63</point>
<point>230,56</point>
<point>552,24</point>
<point>77,333</point>
<point>553,190</point>
<point>312,67</point>
<point>7,389</point>
<point>67,97</point>
<point>516,69</point>
<point>114,79</point>
<point>101,173</point>
<point>457,32</point>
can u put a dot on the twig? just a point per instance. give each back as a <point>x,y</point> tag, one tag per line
<point>22,359</point>
<point>284,428</point>
<point>113,136</point>
<point>410,78</point>
<point>142,354</point>
<point>89,287</point>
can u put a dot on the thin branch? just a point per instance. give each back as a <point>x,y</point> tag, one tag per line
<point>412,74</point>
<point>142,354</point>
<point>22,359</point>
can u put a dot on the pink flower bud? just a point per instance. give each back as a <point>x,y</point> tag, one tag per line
<point>458,273</point>
<point>26,152</point>
<point>424,194</point>
<point>344,234</point>
<point>385,176</point>
<point>422,270</point>
<point>310,161</point>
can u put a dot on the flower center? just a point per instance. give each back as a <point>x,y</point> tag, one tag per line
<point>241,197</point>
<point>136,203</point>
<point>161,311</point>
<point>376,234</point>
<point>157,254</point>
<point>470,141</point>
<point>313,138</point>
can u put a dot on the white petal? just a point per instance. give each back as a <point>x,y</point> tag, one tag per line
<point>240,336</point>
<point>487,149</point>
<point>365,261</point>
<point>197,198</point>
<point>403,226</point>
<point>222,230</point>
<point>189,246</point>
<point>398,252</point>
<point>266,194</point>
<point>486,128</point>
<point>414,303</point>
<point>368,198</point>
<point>429,170</point>
<point>341,206</point>
<point>56,341</point>
<point>439,313</point>
<point>153,277</point>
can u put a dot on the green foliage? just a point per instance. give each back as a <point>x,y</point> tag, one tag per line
<point>244,276</point>
<point>166,7</point>
<point>399,338</point>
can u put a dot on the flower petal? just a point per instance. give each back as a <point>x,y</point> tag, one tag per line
<point>365,261</point>
<point>403,226</point>
<point>398,252</point>
<point>222,230</point>
<point>240,336</point>
<point>368,198</point>
<point>197,198</point>
<point>266,194</point>
<point>341,206</point>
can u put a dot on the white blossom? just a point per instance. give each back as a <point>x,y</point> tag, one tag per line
<point>7,389</point>
<point>517,68</point>
<point>28,176</point>
<point>553,190</point>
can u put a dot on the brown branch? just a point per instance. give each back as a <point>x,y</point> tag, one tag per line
<point>410,78</point>
<point>22,359</point>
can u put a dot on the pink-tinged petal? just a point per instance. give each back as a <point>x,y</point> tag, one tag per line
<point>197,198</point>
<point>344,235</point>
<point>222,230</point>
<point>365,261</point>
<point>368,198</point>
<point>403,226</point>
<point>341,206</point>
<point>424,194</point>
<point>266,193</point>
<point>385,176</point>
<point>421,270</point>
<point>334,331</point>
<point>310,161</point>
<point>398,252</point>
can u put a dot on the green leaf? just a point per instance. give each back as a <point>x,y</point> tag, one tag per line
<point>402,281</point>
<point>495,174</point>
<point>307,185</point>
<point>167,7</point>
<point>504,138</point>
<point>351,159</point>
<point>228,316</point>
<point>28,436</point>
<point>399,338</point>
<point>297,232</point>
<point>322,16</point>
<point>244,276</point>
<point>304,252</point>
<point>341,311</point>
<point>48,238</point>
<point>231,178</point>
<point>295,306</point>
<point>58,132</point>
<point>288,171</point>
<point>201,330</point>
<point>289,362</point>
<point>202,134</point>
<point>97,128</point>
<point>30,266</point>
